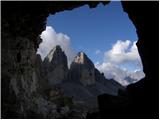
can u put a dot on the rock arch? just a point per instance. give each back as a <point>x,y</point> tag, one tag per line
<point>22,23</point>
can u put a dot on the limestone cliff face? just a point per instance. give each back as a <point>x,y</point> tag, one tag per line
<point>82,70</point>
<point>82,82</point>
<point>55,65</point>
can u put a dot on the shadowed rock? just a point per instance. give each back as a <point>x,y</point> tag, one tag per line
<point>55,65</point>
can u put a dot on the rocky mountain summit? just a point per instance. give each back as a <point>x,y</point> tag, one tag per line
<point>55,66</point>
<point>82,70</point>
<point>82,82</point>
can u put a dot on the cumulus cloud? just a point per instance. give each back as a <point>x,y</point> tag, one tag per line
<point>122,52</point>
<point>50,39</point>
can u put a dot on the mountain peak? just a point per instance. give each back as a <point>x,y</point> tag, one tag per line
<point>56,65</point>
<point>56,49</point>
<point>81,58</point>
<point>82,69</point>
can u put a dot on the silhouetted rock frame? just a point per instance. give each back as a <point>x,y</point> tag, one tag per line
<point>23,22</point>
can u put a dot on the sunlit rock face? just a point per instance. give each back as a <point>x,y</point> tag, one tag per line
<point>55,65</point>
<point>82,70</point>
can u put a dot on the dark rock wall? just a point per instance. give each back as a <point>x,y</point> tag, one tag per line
<point>141,99</point>
<point>144,16</point>
<point>144,93</point>
<point>23,22</point>
<point>41,75</point>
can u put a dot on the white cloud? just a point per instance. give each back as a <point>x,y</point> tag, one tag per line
<point>122,52</point>
<point>50,39</point>
<point>98,52</point>
<point>122,76</point>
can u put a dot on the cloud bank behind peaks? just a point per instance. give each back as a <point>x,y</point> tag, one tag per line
<point>122,52</point>
<point>50,39</point>
<point>123,76</point>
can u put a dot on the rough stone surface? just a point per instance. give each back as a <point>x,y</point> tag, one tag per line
<point>41,76</point>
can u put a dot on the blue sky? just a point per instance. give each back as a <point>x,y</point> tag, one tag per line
<point>92,29</point>
<point>105,29</point>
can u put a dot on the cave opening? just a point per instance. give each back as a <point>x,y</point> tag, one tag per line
<point>105,34</point>
<point>143,94</point>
